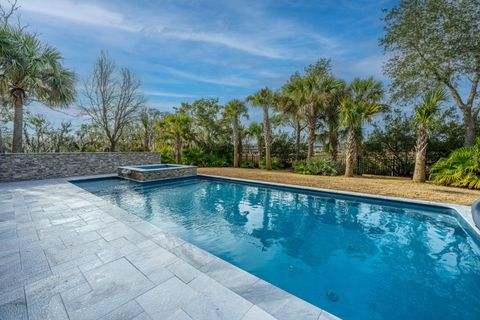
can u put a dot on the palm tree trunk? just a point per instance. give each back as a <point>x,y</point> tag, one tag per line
<point>266,133</point>
<point>419,174</point>
<point>350,152</point>
<point>260,150</point>
<point>2,145</point>
<point>178,141</point>
<point>236,143</point>
<point>311,138</point>
<point>332,137</point>
<point>146,142</point>
<point>17,146</point>
<point>470,128</point>
<point>298,132</point>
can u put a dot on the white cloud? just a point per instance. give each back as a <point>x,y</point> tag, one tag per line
<point>177,25</point>
<point>157,93</point>
<point>234,81</point>
<point>79,12</point>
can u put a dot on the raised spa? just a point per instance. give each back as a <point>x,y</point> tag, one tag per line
<point>155,172</point>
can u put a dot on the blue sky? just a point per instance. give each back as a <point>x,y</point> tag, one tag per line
<point>187,49</point>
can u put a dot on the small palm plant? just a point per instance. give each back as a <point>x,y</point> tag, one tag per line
<point>362,105</point>
<point>264,98</point>
<point>176,127</point>
<point>235,109</point>
<point>31,70</point>
<point>425,113</point>
<point>460,169</point>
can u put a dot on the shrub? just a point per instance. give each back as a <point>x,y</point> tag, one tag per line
<point>318,166</point>
<point>299,167</point>
<point>248,164</point>
<point>274,163</point>
<point>460,169</point>
<point>166,154</point>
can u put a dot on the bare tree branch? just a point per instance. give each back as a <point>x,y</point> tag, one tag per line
<point>112,100</point>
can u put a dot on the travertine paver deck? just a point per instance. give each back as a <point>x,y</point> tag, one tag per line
<point>67,254</point>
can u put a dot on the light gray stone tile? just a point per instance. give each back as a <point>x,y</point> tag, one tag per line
<point>179,315</point>
<point>183,270</point>
<point>113,285</point>
<point>13,304</point>
<point>167,241</point>
<point>227,303</point>
<point>193,255</point>
<point>327,316</point>
<point>266,296</point>
<point>255,313</point>
<point>129,310</point>
<point>45,288</point>
<point>145,228</point>
<point>163,300</point>
<point>296,308</point>
<point>50,308</point>
<point>76,292</point>
<point>152,263</point>
<point>230,276</point>
<point>142,316</point>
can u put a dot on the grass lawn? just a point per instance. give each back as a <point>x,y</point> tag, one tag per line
<point>380,185</point>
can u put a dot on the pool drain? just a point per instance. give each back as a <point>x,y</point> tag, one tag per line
<point>332,295</point>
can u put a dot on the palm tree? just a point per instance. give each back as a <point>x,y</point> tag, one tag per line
<point>177,128</point>
<point>337,91</point>
<point>303,93</point>
<point>31,70</point>
<point>361,106</point>
<point>233,111</point>
<point>264,98</point>
<point>291,116</point>
<point>424,115</point>
<point>255,130</point>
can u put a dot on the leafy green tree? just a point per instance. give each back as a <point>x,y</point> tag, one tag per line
<point>175,128</point>
<point>208,128</point>
<point>436,42</point>
<point>362,105</point>
<point>30,70</point>
<point>264,98</point>
<point>235,109</point>
<point>425,114</point>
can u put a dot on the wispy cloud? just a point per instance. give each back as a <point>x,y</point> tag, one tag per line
<point>259,43</point>
<point>84,13</point>
<point>156,93</point>
<point>232,80</point>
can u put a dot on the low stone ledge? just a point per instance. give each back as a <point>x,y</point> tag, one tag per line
<point>36,166</point>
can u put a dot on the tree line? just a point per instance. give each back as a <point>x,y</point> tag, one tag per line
<point>433,59</point>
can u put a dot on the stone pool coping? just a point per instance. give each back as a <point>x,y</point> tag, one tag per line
<point>67,254</point>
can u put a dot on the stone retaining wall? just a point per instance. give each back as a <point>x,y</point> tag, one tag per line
<point>36,166</point>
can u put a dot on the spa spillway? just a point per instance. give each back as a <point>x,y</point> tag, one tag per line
<point>155,172</point>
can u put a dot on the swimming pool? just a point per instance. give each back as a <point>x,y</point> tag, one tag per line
<point>355,257</point>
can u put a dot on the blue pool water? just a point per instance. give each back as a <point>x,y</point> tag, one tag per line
<point>378,259</point>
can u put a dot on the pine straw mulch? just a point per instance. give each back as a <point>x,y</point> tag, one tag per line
<point>378,185</point>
